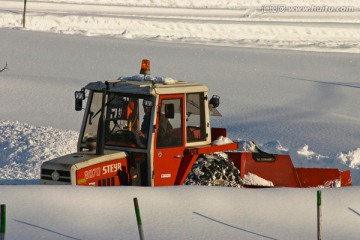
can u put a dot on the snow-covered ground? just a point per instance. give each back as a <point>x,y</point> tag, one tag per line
<point>44,212</point>
<point>304,103</point>
<point>301,102</point>
<point>302,25</point>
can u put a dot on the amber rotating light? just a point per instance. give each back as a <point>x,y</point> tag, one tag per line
<point>145,67</point>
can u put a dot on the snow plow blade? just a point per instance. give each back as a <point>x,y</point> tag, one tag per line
<point>327,177</point>
<point>279,170</point>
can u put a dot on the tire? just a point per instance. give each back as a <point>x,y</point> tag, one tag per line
<point>214,170</point>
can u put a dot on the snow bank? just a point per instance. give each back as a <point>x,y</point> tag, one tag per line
<point>221,141</point>
<point>304,151</point>
<point>274,147</point>
<point>231,4</point>
<point>225,22</point>
<point>270,147</point>
<point>23,148</point>
<point>352,158</point>
<point>307,158</point>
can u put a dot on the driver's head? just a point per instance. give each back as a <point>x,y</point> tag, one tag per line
<point>147,106</point>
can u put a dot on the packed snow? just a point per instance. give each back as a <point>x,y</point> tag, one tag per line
<point>303,103</point>
<point>164,80</point>
<point>254,180</point>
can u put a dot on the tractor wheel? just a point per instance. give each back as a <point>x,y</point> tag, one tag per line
<point>214,170</point>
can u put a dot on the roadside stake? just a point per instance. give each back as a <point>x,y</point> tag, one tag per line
<point>2,221</point>
<point>319,216</point>
<point>138,218</point>
<point>24,13</point>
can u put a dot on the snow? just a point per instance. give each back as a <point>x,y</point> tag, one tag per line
<point>254,180</point>
<point>351,158</point>
<point>222,140</point>
<point>25,147</point>
<point>164,80</point>
<point>195,212</point>
<point>261,24</point>
<point>303,103</point>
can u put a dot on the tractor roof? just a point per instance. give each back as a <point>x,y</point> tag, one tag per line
<point>149,86</point>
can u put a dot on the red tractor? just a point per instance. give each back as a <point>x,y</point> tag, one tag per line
<point>152,131</point>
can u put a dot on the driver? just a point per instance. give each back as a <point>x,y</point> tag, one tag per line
<point>146,120</point>
<point>142,133</point>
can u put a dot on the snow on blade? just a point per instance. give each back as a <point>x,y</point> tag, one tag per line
<point>331,184</point>
<point>23,148</point>
<point>254,180</point>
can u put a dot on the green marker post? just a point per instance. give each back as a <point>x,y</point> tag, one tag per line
<point>138,218</point>
<point>24,13</point>
<point>2,221</point>
<point>319,216</point>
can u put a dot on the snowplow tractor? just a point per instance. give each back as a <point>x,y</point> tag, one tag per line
<point>155,131</point>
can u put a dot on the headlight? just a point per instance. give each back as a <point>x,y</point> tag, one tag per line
<point>55,175</point>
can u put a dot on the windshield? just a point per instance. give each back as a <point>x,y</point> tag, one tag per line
<point>127,120</point>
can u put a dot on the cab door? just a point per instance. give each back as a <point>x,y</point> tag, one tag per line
<point>169,139</point>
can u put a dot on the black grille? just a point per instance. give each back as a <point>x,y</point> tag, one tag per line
<point>50,171</point>
<point>64,175</point>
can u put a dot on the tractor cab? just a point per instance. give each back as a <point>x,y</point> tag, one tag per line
<point>152,121</point>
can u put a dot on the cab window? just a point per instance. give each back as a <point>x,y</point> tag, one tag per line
<point>170,124</point>
<point>127,120</point>
<point>195,117</point>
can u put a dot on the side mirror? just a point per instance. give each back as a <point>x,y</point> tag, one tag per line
<point>79,97</point>
<point>215,101</point>
<point>169,111</point>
